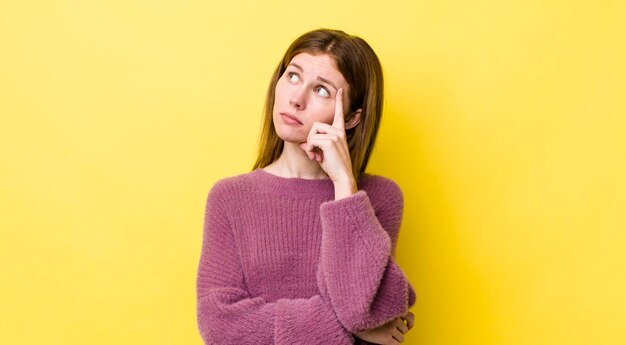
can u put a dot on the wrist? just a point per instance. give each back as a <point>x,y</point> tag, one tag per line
<point>344,188</point>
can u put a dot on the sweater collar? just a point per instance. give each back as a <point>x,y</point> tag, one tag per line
<point>293,186</point>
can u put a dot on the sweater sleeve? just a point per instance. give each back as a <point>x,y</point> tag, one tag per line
<point>359,273</point>
<point>227,314</point>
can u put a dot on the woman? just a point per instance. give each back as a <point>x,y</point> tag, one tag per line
<point>301,249</point>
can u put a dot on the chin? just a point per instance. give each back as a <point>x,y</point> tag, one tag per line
<point>289,134</point>
<point>290,137</point>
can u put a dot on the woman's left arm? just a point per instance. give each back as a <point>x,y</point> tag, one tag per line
<point>357,268</point>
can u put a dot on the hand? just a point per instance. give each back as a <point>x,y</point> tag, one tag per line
<point>328,146</point>
<point>391,333</point>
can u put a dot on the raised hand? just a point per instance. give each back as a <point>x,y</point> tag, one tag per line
<point>328,146</point>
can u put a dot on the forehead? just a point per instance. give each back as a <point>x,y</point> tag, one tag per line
<point>322,65</point>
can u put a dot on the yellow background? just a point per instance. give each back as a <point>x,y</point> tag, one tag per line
<point>505,125</point>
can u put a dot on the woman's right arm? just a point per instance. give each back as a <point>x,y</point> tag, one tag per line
<point>226,313</point>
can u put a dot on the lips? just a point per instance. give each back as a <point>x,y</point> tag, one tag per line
<point>292,117</point>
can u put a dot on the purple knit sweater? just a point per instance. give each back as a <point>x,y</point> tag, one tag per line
<point>282,262</point>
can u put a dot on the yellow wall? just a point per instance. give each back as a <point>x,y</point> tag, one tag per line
<point>505,126</point>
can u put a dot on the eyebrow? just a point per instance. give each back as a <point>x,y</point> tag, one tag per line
<point>318,78</point>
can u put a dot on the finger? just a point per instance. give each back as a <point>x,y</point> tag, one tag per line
<point>323,136</point>
<point>315,148</point>
<point>401,326</point>
<point>410,319</point>
<point>321,127</point>
<point>314,155</point>
<point>339,120</point>
<point>317,128</point>
<point>398,336</point>
<point>320,143</point>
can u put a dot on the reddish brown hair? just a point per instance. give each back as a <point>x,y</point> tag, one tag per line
<point>362,70</point>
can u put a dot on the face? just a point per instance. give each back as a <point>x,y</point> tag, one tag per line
<point>307,91</point>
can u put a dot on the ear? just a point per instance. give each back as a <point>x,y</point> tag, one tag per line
<point>353,119</point>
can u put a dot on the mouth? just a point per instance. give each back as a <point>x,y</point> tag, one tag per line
<point>287,115</point>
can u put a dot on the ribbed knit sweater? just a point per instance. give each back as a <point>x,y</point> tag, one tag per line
<point>283,262</point>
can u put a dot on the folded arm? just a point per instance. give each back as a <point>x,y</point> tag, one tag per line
<point>358,272</point>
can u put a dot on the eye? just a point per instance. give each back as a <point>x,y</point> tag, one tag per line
<point>292,76</point>
<point>324,92</point>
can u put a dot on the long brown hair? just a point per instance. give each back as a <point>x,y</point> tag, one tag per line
<point>360,67</point>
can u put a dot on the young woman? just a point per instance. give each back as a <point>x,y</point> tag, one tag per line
<point>301,249</point>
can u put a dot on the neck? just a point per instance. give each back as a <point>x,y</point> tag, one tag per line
<point>294,162</point>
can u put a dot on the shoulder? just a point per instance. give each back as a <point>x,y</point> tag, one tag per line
<point>381,189</point>
<point>231,188</point>
<point>387,200</point>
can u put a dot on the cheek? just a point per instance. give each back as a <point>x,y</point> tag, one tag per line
<point>281,86</point>
<point>324,112</point>
<point>278,91</point>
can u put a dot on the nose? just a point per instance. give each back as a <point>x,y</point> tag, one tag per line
<point>298,98</point>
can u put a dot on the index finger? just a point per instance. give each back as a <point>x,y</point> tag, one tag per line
<point>339,121</point>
